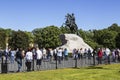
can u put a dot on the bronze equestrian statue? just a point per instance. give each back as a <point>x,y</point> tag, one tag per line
<point>70,23</point>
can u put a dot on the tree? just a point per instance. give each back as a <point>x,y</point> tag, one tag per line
<point>38,36</point>
<point>47,37</point>
<point>109,39</point>
<point>97,36</point>
<point>88,37</point>
<point>7,36</point>
<point>64,30</point>
<point>105,37</point>
<point>2,38</point>
<point>31,38</point>
<point>117,39</point>
<point>114,27</point>
<point>19,39</point>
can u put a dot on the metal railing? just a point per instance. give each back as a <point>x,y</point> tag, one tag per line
<point>6,66</point>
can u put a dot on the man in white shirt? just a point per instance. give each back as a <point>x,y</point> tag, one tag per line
<point>44,54</point>
<point>107,53</point>
<point>59,55</point>
<point>39,56</point>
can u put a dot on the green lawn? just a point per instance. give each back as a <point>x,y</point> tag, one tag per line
<point>101,72</point>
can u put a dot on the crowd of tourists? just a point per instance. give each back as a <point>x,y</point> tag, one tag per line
<point>31,54</point>
<point>100,54</point>
<point>39,55</point>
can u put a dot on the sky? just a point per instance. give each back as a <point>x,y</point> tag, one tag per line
<point>28,15</point>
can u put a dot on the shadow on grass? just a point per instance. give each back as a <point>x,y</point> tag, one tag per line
<point>90,67</point>
<point>94,67</point>
<point>76,67</point>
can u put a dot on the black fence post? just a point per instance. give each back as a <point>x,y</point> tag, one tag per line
<point>4,68</point>
<point>33,64</point>
<point>93,59</point>
<point>75,61</point>
<point>56,61</point>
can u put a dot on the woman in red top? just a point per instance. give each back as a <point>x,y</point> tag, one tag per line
<point>100,54</point>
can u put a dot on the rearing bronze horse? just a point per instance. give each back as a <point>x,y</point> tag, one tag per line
<point>70,23</point>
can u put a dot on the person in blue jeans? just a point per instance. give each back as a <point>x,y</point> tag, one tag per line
<point>19,59</point>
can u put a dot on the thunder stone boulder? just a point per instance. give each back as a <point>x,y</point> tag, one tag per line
<point>72,41</point>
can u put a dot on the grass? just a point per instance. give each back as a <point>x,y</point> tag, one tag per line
<point>101,72</point>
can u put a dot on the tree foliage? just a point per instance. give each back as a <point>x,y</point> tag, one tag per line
<point>47,37</point>
<point>117,39</point>
<point>114,27</point>
<point>88,37</point>
<point>19,39</point>
<point>64,30</point>
<point>106,37</point>
<point>2,38</point>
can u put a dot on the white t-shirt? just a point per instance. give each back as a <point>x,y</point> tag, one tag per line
<point>29,56</point>
<point>51,52</point>
<point>59,53</point>
<point>13,53</point>
<point>39,54</point>
<point>107,51</point>
<point>44,51</point>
